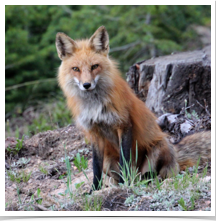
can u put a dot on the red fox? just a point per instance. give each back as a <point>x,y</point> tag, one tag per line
<point>113,118</point>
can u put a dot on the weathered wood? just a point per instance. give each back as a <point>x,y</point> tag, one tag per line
<point>164,83</point>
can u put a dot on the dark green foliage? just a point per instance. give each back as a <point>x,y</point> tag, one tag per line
<point>80,162</point>
<point>136,33</point>
<point>53,116</point>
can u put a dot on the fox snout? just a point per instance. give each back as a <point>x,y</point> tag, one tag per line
<point>87,86</point>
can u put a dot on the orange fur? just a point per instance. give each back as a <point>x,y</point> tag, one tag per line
<point>119,100</point>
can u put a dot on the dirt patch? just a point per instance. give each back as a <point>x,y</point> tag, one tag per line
<point>43,157</point>
<point>115,199</point>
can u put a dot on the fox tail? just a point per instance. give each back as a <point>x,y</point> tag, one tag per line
<point>193,148</point>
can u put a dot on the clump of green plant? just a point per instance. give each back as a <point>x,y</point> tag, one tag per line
<point>153,176</point>
<point>80,162</point>
<point>190,205</point>
<point>43,170</point>
<point>182,204</point>
<point>13,176</point>
<point>129,172</point>
<point>69,173</point>
<point>191,115</point>
<point>39,201</point>
<point>92,203</point>
<point>62,176</point>
<point>18,146</point>
<point>18,177</point>
<point>22,162</point>
<point>26,176</point>
<point>183,181</point>
<point>18,194</point>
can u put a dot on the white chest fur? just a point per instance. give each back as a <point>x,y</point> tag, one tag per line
<point>97,113</point>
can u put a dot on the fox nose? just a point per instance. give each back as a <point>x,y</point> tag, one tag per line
<point>86,85</point>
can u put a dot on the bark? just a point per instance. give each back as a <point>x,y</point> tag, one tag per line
<point>166,82</point>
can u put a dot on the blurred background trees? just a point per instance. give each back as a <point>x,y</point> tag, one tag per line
<point>136,33</point>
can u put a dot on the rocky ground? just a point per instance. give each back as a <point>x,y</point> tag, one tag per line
<point>37,179</point>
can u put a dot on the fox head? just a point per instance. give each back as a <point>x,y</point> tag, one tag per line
<point>85,63</point>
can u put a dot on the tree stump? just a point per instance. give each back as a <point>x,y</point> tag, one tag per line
<point>174,82</point>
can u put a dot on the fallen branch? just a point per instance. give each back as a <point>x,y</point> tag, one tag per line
<point>125,47</point>
<point>40,207</point>
<point>205,108</point>
<point>31,203</point>
<point>29,83</point>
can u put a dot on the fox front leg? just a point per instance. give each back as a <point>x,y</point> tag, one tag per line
<point>97,168</point>
<point>125,151</point>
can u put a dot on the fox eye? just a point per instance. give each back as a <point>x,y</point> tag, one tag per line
<point>75,69</point>
<point>94,66</point>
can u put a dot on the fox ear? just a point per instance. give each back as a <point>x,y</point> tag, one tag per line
<point>65,45</point>
<point>100,41</point>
